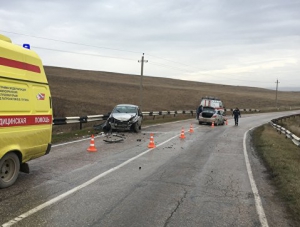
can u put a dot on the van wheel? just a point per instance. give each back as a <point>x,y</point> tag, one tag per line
<point>9,169</point>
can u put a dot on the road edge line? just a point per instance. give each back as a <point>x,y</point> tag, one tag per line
<point>258,204</point>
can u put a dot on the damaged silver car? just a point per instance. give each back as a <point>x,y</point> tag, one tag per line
<point>125,117</point>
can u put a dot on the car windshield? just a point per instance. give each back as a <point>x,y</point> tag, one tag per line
<point>124,109</point>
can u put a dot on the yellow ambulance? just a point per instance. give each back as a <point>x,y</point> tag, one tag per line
<point>25,110</point>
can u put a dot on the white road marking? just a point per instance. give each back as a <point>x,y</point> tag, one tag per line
<point>74,141</point>
<point>168,123</point>
<point>150,132</point>
<point>259,208</point>
<point>62,196</point>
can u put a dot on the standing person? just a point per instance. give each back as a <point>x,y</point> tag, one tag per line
<point>236,113</point>
<point>199,110</point>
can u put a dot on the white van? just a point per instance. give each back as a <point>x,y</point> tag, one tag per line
<point>212,102</point>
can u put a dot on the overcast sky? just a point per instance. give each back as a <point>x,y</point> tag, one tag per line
<point>251,43</point>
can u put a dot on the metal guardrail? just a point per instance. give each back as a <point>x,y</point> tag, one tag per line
<point>287,133</point>
<point>244,110</point>
<point>103,117</point>
<point>80,120</point>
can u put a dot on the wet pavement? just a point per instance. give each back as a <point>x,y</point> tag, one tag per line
<point>201,180</point>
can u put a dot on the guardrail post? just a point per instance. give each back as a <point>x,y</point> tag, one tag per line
<point>82,120</point>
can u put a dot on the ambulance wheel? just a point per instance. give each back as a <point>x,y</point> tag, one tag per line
<point>9,169</point>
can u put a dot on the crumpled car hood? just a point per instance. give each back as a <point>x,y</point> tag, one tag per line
<point>123,116</point>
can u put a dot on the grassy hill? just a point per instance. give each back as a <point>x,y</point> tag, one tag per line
<point>82,92</point>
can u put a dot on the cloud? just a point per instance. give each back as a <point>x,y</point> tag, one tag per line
<point>231,42</point>
<point>254,68</point>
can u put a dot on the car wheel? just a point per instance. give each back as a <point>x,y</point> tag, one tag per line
<point>9,169</point>
<point>136,127</point>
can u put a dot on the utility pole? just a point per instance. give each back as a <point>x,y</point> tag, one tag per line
<point>276,92</point>
<point>141,83</point>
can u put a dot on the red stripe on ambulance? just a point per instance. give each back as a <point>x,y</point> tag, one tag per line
<point>19,65</point>
<point>9,121</point>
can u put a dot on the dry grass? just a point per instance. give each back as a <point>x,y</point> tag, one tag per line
<point>292,124</point>
<point>282,158</point>
<point>80,92</point>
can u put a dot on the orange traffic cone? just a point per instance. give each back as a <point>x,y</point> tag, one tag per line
<point>92,147</point>
<point>151,143</point>
<point>182,136</point>
<point>213,124</point>
<point>191,129</point>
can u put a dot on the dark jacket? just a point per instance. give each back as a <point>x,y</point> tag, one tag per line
<point>236,113</point>
<point>200,109</point>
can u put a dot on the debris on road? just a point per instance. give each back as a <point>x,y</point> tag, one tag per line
<point>114,138</point>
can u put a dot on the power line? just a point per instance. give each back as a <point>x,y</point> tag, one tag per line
<point>204,74</point>
<point>104,56</point>
<point>172,61</point>
<point>167,66</point>
<point>153,63</point>
<point>62,41</point>
<point>72,52</point>
<point>81,44</point>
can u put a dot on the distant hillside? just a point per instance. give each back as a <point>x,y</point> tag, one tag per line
<point>286,89</point>
<point>82,92</point>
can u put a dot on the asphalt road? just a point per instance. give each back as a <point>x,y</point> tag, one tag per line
<point>202,180</point>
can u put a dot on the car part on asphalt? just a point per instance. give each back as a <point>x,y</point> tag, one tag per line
<point>114,138</point>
